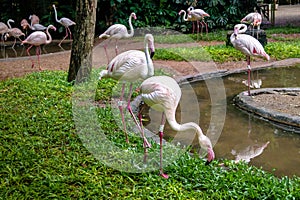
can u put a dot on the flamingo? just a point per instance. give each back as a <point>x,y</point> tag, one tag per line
<point>248,45</point>
<point>162,93</point>
<point>199,14</point>
<point>254,19</point>
<point>130,66</point>
<point>14,32</point>
<point>34,27</point>
<point>34,19</point>
<point>66,22</point>
<point>118,31</point>
<point>3,31</point>
<point>36,39</point>
<point>190,18</point>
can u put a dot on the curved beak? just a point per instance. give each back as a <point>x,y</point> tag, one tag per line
<point>210,156</point>
<point>152,54</point>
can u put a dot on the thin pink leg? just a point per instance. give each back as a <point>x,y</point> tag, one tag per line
<point>64,37</point>
<point>121,111</point>
<point>32,65</point>
<point>70,33</point>
<point>249,74</point>
<point>116,49</point>
<point>161,133</point>
<point>146,143</point>
<point>142,129</point>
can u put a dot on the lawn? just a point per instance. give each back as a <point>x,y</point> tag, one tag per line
<point>44,155</point>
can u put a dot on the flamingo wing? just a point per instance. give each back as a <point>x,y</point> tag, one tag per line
<point>36,38</point>
<point>66,22</point>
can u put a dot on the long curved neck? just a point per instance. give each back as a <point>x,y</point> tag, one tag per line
<point>50,38</point>
<point>184,16</point>
<point>149,60</point>
<point>184,127</point>
<point>131,27</point>
<point>55,14</point>
<point>8,23</point>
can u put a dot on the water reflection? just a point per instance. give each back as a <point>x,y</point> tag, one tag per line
<point>248,137</point>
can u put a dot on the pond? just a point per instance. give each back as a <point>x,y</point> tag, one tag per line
<point>245,135</point>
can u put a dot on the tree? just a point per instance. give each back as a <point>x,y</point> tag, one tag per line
<point>82,46</point>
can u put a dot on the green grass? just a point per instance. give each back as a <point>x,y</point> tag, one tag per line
<point>43,156</point>
<point>223,53</point>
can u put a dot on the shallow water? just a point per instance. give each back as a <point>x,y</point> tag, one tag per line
<point>244,134</point>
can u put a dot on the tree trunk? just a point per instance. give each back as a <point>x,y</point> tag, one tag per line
<point>82,46</point>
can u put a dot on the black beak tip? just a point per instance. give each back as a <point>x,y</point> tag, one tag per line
<point>207,162</point>
<point>152,54</point>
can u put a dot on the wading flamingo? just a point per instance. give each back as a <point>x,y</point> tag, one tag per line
<point>36,39</point>
<point>162,93</point>
<point>130,66</point>
<point>248,45</point>
<point>117,32</point>
<point>66,22</point>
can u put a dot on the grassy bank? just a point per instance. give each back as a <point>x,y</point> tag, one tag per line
<point>43,157</point>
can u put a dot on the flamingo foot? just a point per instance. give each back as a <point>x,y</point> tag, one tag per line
<point>165,176</point>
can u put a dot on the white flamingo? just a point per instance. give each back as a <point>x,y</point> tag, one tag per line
<point>66,22</point>
<point>200,15</point>
<point>163,93</point>
<point>248,45</point>
<point>254,19</point>
<point>36,39</point>
<point>117,32</point>
<point>190,18</point>
<point>130,66</point>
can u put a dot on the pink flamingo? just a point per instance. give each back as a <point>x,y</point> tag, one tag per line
<point>66,22</point>
<point>254,19</point>
<point>34,19</point>
<point>36,39</point>
<point>118,31</point>
<point>3,31</point>
<point>162,93</point>
<point>248,45</point>
<point>14,32</point>
<point>190,18</point>
<point>130,66</point>
<point>199,14</point>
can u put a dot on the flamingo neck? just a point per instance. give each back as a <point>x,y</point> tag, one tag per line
<point>8,23</point>
<point>55,14</point>
<point>184,16</point>
<point>149,60</point>
<point>50,38</point>
<point>131,28</point>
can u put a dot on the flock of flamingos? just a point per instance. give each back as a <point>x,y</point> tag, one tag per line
<point>162,93</point>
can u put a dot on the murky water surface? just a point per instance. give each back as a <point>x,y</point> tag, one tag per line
<point>244,136</point>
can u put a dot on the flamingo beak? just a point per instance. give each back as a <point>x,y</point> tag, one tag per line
<point>210,156</point>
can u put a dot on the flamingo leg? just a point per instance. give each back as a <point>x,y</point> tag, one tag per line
<point>249,74</point>
<point>206,27</point>
<point>161,133</point>
<point>70,33</point>
<point>32,65</point>
<point>141,125</point>
<point>64,37</point>
<point>193,27</point>
<point>121,112</point>
<point>38,52</point>
<point>146,143</point>
<point>116,49</point>
<point>105,49</point>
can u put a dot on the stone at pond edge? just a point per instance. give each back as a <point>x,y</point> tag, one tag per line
<point>285,120</point>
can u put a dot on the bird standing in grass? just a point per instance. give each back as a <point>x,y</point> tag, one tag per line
<point>36,39</point>
<point>66,22</point>
<point>200,15</point>
<point>130,66</point>
<point>162,93</point>
<point>248,45</point>
<point>117,32</point>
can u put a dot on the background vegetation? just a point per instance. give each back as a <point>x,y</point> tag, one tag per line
<point>224,13</point>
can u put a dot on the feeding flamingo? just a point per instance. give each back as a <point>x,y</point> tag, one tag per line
<point>254,19</point>
<point>118,31</point>
<point>248,45</point>
<point>66,22</point>
<point>162,93</point>
<point>130,66</point>
<point>36,39</point>
<point>199,14</point>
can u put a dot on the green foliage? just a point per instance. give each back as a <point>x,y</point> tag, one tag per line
<point>42,156</point>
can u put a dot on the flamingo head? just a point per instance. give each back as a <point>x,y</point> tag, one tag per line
<point>53,5</point>
<point>133,15</point>
<point>205,143</point>
<point>52,27</point>
<point>190,9</point>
